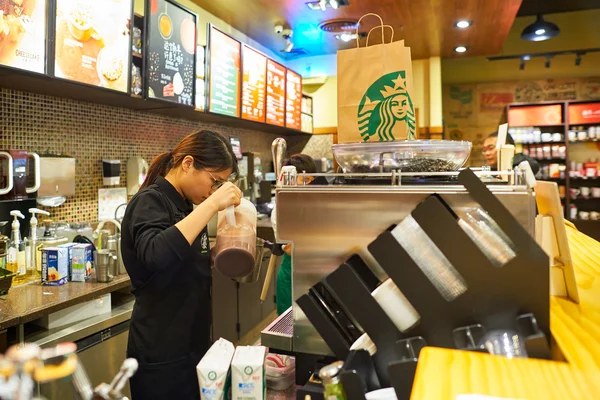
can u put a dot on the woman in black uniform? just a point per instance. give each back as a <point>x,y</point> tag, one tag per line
<point>166,252</point>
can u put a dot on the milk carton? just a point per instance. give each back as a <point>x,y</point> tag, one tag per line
<point>214,377</point>
<point>81,262</point>
<point>68,246</point>
<point>55,266</point>
<point>248,373</point>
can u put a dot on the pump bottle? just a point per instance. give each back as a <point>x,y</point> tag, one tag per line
<point>33,246</point>
<point>16,250</point>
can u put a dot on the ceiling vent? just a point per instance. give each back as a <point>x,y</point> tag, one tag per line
<point>339,26</point>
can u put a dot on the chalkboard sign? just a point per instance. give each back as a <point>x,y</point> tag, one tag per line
<point>171,52</point>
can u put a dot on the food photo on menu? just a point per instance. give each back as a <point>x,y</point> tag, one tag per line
<point>23,34</point>
<point>92,42</point>
<point>171,53</point>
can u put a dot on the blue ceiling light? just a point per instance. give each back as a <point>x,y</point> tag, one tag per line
<point>540,30</point>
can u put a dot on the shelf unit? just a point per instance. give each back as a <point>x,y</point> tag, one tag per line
<point>557,117</point>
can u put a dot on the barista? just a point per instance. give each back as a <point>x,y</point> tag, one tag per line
<point>491,155</point>
<point>166,252</point>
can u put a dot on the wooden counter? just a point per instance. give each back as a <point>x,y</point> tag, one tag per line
<point>444,374</point>
<point>28,302</point>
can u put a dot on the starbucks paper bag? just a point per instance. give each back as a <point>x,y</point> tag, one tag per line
<point>375,93</point>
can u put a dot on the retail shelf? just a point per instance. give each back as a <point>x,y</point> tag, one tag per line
<point>584,141</point>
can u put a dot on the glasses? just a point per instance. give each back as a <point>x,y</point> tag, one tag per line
<point>217,183</point>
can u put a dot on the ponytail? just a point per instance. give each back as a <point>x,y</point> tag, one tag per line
<point>209,149</point>
<point>159,167</point>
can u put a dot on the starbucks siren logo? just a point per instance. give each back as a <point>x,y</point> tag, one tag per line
<point>385,103</point>
<point>212,375</point>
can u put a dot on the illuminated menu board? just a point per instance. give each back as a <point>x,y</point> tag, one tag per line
<point>92,43</point>
<point>171,53</point>
<point>23,34</point>
<point>275,93</point>
<point>224,74</point>
<point>253,85</point>
<point>293,101</point>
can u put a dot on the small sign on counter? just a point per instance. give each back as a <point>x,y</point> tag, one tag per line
<point>109,200</point>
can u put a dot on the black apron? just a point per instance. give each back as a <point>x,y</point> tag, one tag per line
<point>170,327</point>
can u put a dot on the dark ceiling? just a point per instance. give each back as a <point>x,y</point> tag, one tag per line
<point>534,7</point>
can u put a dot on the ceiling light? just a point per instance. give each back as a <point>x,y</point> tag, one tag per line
<point>540,30</point>
<point>322,5</point>
<point>547,62</point>
<point>346,37</point>
<point>522,65</point>
<point>526,58</point>
<point>463,24</point>
<point>460,49</point>
<point>578,59</point>
<point>289,46</point>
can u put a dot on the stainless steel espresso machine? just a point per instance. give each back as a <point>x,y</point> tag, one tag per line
<point>327,224</point>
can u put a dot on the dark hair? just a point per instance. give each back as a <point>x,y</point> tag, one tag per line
<point>509,138</point>
<point>303,163</point>
<point>209,149</point>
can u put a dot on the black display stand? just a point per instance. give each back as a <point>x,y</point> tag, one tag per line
<point>512,297</point>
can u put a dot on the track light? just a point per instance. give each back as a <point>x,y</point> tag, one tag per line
<point>522,65</point>
<point>578,60</point>
<point>547,62</point>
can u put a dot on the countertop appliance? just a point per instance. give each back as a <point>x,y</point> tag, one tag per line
<point>15,168</point>
<point>329,223</point>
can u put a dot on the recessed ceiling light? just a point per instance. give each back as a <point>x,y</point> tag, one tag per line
<point>460,49</point>
<point>463,24</point>
<point>346,37</point>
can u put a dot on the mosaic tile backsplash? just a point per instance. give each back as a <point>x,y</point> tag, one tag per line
<point>91,132</point>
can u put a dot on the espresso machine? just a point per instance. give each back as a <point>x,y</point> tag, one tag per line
<point>16,166</point>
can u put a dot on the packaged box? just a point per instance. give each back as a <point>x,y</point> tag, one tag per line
<point>68,246</point>
<point>81,262</point>
<point>213,370</point>
<point>248,373</point>
<point>55,266</point>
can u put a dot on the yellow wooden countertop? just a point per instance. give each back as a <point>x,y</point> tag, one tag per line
<point>444,374</point>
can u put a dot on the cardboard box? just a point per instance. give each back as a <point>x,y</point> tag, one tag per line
<point>55,266</point>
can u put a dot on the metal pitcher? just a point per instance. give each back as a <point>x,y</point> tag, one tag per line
<point>258,259</point>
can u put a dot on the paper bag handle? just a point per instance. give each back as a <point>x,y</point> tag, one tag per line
<point>382,27</point>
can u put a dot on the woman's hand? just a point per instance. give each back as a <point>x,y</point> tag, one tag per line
<point>287,248</point>
<point>227,195</point>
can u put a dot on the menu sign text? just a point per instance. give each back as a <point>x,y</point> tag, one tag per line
<point>254,85</point>
<point>224,74</point>
<point>275,93</point>
<point>293,101</point>
<point>171,53</point>
<point>23,34</point>
<point>92,42</point>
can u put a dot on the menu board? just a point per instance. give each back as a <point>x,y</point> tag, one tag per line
<point>171,53</point>
<point>224,74</point>
<point>275,93</point>
<point>293,101</point>
<point>253,85</point>
<point>23,34</point>
<point>92,42</point>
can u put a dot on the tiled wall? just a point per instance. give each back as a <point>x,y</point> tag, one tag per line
<point>91,132</point>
